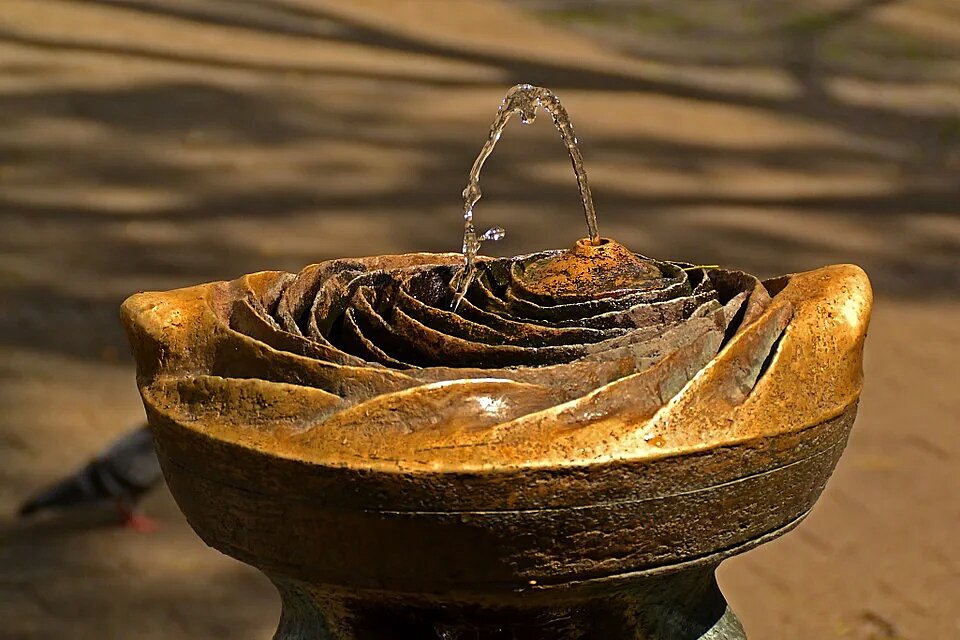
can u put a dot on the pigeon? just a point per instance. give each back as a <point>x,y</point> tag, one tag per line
<point>123,473</point>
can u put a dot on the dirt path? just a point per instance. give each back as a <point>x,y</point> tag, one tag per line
<point>152,144</point>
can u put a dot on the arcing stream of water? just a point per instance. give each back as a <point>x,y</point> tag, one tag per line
<point>523,99</point>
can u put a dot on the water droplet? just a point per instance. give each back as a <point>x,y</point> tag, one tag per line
<point>494,234</point>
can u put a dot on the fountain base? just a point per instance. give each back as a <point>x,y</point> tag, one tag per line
<point>686,605</point>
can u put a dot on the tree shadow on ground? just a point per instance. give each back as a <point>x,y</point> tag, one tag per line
<point>170,178</point>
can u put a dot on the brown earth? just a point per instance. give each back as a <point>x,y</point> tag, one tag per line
<point>150,144</point>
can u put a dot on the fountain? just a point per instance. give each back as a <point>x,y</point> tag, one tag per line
<point>563,445</point>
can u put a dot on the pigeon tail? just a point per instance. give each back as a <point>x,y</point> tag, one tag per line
<point>75,490</point>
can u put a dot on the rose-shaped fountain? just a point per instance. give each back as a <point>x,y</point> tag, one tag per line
<point>553,446</point>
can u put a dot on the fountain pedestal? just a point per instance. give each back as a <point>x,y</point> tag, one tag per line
<point>678,606</point>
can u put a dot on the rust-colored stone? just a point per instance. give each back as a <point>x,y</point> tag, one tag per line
<point>590,498</point>
<point>589,271</point>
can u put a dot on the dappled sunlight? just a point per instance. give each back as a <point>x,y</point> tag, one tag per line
<point>152,144</point>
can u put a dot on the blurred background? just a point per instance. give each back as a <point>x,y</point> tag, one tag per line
<point>151,144</point>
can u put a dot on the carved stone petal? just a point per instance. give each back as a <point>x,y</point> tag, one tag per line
<point>815,375</point>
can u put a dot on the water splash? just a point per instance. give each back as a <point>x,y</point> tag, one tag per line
<point>523,99</point>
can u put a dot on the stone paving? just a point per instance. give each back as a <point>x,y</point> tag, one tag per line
<point>150,144</point>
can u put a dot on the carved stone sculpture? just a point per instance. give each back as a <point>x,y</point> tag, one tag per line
<point>568,454</point>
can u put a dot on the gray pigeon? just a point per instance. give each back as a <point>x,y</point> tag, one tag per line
<point>123,473</point>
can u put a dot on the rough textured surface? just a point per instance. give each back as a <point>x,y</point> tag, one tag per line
<point>155,144</point>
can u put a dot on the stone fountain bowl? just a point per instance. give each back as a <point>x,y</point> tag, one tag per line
<point>531,529</point>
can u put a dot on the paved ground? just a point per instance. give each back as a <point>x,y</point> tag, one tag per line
<point>150,144</point>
